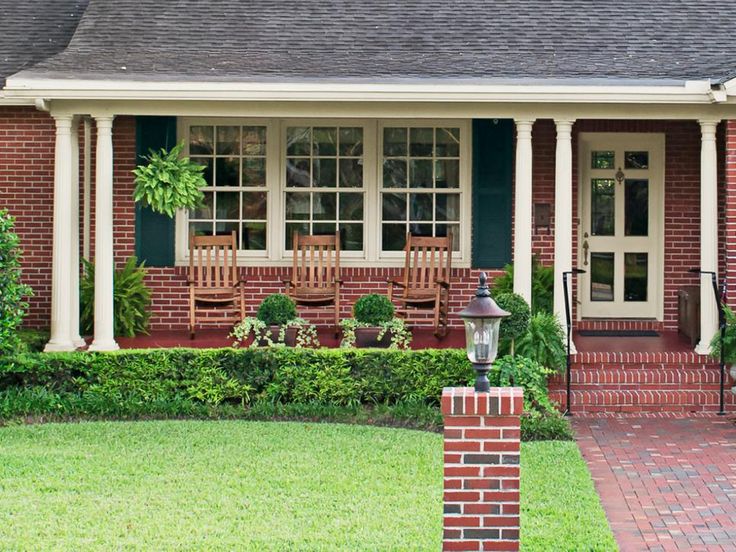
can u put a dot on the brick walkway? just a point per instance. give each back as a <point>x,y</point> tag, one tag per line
<point>665,483</point>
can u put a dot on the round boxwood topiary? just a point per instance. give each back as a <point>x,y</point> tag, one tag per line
<point>514,326</point>
<point>373,309</point>
<point>276,310</point>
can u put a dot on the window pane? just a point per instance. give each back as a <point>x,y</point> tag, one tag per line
<point>254,140</point>
<point>227,171</point>
<point>421,142</point>
<point>301,227</point>
<point>635,276</point>
<point>440,230</point>
<point>447,207</point>
<point>254,171</point>
<point>394,142</point>
<point>297,206</point>
<point>324,206</point>
<point>420,207</point>
<point>636,214</point>
<point>324,228</point>
<point>325,173</point>
<point>351,142</point>
<point>448,142</point>
<point>421,229</point>
<point>447,173</point>
<point>201,228</point>
<point>298,140</point>
<point>297,173</point>
<point>394,173</point>
<point>324,141</point>
<point>226,228</point>
<point>201,140</point>
<point>603,160</point>
<point>205,210</point>
<point>394,206</point>
<point>601,276</point>
<point>420,173</point>
<point>206,162</point>
<point>603,207</point>
<point>254,205</point>
<point>253,237</point>
<point>351,173</point>
<point>228,140</point>
<point>351,237</point>
<point>636,160</point>
<point>394,237</point>
<point>227,205</point>
<point>351,206</point>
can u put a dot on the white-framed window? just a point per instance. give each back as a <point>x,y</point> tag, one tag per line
<point>372,180</point>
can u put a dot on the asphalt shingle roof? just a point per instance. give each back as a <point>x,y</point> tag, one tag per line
<point>33,30</point>
<point>381,40</point>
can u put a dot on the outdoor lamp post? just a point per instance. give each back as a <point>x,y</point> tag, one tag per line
<point>482,318</point>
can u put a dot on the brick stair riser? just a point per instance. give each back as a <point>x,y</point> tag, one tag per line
<point>644,400</point>
<point>627,378</point>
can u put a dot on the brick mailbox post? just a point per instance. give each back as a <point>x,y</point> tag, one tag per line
<point>481,474</point>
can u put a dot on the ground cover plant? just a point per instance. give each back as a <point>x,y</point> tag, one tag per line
<point>262,486</point>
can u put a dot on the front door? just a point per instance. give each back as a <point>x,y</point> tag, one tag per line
<point>620,235</point>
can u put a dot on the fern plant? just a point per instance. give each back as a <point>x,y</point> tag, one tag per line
<point>131,299</point>
<point>544,341</point>
<point>543,282</point>
<point>729,339</point>
<point>169,182</point>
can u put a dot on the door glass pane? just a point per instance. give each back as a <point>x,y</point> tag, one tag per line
<point>601,276</point>
<point>602,159</point>
<point>635,276</point>
<point>637,208</point>
<point>603,206</point>
<point>636,159</point>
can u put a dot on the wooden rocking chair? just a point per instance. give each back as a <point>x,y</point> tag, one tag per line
<point>425,284</point>
<point>315,276</point>
<point>214,285</point>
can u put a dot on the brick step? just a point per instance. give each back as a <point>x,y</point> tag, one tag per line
<point>649,376</point>
<point>644,400</point>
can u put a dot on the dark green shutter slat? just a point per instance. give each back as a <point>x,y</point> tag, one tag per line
<point>493,154</point>
<point>155,234</point>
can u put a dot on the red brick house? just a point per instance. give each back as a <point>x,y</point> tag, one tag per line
<point>599,135</point>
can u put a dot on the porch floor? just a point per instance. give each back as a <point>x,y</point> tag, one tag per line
<point>665,342</point>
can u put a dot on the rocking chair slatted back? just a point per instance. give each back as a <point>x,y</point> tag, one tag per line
<point>427,261</point>
<point>316,263</point>
<point>215,267</point>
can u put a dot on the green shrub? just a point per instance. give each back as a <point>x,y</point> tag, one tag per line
<point>515,325</point>
<point>729,339</point>
<point>524,372</point>
<point>373,309</point>
<point>131,299</point>
<point>12,292</point>
<point>545,427</point>
<point>33,341</point>
<point>544,341</point>
<point>276,310</point>
<point>543,280</point>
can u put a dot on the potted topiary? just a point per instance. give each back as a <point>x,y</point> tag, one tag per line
<point>374,325</point>
<point>276,322</point>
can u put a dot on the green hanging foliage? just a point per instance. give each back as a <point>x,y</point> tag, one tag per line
<point>13,293</point>
<point>169,182</point>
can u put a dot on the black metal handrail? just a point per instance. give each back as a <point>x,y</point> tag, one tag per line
<point>568,320</point>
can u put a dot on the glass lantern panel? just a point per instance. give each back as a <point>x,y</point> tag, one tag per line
<point>481,335</point>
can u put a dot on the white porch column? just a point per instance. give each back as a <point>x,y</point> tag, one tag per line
<point>708,233</point>
<point>563,215</point>
<point>61,333</point>
<point>74,241</point>
<point>523,210</point>
<point>104,339</point>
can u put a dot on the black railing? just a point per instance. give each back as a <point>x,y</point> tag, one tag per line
<point>568,320</point>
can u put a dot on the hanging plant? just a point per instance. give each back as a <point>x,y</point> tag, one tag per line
<point>169,182</point>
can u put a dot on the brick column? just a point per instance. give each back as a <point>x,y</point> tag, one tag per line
<point>730,183</point>
<point>481,473</point>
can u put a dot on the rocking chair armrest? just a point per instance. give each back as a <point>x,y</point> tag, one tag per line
<point>395,282</point>
<point>445,284</point>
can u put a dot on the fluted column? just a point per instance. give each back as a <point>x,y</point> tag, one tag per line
<point>74,241</point>
<point>61,335</point>
<point>563,215</point>
<point>104,339</point>
<point>523,210</point>
<point>708,233</point>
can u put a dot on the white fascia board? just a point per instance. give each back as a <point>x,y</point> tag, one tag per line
<point>688,92</point>
<point>730,87</point>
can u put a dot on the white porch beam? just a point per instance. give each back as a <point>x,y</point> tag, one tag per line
<point>523,210</point>
<point>708,233</point>
<point>61,305</point>
<point>104,338</point>
<point>563,215</point>
<point>74,240</point>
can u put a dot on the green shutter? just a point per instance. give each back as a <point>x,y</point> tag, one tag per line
<point>154,233</point>
<point>493,153</point>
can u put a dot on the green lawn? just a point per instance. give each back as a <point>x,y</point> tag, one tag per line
<point>261,486</point>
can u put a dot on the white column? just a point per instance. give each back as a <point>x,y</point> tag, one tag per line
<point>523,210</point>
<point>74,241</point>
<point>708,233</point>
<point>563,216</point>
<point>104,339</point>
<point>87,195</point>
<point>61,335</point>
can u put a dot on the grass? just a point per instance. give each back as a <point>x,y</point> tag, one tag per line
<point>262,486</point>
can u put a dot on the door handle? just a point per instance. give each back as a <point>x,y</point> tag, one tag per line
<point>585,252</point>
